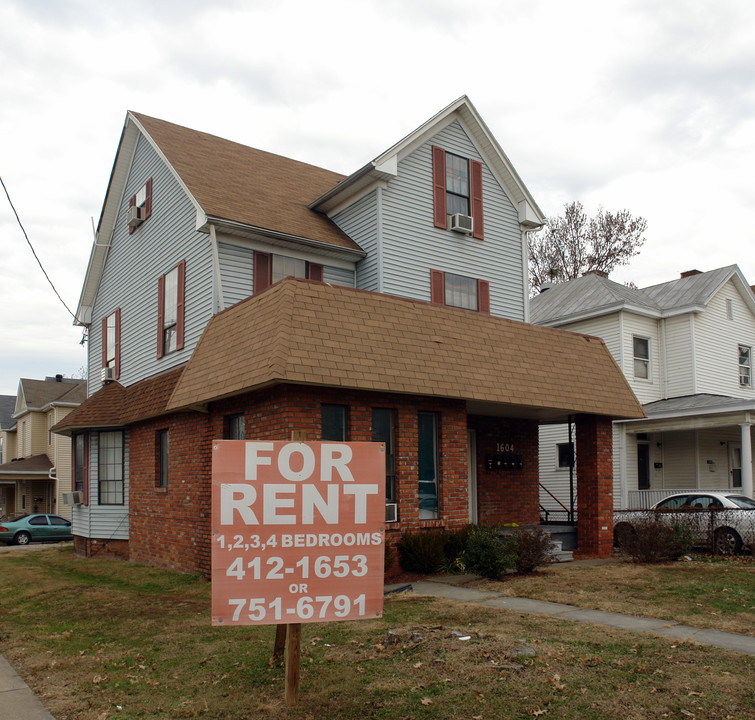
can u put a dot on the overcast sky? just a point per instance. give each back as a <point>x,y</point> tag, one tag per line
<point>643,105</point>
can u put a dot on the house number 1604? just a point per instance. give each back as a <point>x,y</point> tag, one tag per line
<point>504,447</point>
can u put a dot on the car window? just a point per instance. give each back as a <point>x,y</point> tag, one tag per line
<point>57,520</point>
<point>704,501</point>
<point>742,501</point>
<point>38,520</point>
<point>672,503</point>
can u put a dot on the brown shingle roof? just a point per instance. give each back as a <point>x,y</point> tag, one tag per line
<point>244,185</point>
<point>116,406</point>
<point>35,465</point>
<point>315,334</point>
<point>38,393</point>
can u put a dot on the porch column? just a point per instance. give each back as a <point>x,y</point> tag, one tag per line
<point>595,485</point>
<point>746,459</point>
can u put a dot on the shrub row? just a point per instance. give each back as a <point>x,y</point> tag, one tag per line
<point>477,549</point>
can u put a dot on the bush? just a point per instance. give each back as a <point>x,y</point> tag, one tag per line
<point>533,548</point>
<point>649,540</point>
<point>422,552</point>
<point>486,553</point>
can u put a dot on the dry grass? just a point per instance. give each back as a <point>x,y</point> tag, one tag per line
<point>704,593</point>
<point>105,639</point>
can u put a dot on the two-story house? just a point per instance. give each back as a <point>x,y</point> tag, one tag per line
<point>233,293</point>
<point>36,467</point>
<point>685,347</point>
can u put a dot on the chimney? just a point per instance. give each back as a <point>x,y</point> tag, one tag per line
<point>690,273</point>
<point>58,378</point>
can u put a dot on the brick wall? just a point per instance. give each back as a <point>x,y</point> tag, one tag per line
<point>92,547</point>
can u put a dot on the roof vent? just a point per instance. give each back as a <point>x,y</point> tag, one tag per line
<point>690,273</point>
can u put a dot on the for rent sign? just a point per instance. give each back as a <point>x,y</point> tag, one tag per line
<point>297,531</point>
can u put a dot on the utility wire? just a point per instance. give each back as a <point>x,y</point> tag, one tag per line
<point>18,219</point>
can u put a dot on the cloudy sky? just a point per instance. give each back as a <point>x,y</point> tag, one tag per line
<point>634,104</point>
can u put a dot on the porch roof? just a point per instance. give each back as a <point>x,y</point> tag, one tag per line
<point>37,465</point>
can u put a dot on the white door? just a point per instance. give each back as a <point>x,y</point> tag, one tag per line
<point>472,474</point>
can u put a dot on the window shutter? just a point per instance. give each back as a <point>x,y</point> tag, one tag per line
<point>181,305</point>
<point>262,271</point>
<point>314,271</point>
<point>439,187</point>
<point>160,314</point>
<point>437,288</point>
<point>483,296</point>
<point>148,203</point>
<point>476,191</point>
<point>104,341</point>
<point>131,203</point>
<point>117,343</point>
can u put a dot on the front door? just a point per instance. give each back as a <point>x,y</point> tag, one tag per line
<point>643,466</point>
<point>472,474</point>
<point>735,466</point>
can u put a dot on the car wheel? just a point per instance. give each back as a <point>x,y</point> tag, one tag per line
<point>728,541</point>
<point>22,538</point>
<point>623,533</point>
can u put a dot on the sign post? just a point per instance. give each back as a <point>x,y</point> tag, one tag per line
<point>297,536</point>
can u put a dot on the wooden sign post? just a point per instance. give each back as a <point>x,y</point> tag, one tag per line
<point>297,536</point>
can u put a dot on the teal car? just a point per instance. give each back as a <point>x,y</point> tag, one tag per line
<point>24,529</point>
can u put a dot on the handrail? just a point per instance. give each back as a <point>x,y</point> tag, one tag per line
<point>566,509</point>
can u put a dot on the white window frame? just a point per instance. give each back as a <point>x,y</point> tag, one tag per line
<point>745,368</point>
<point>639,359</point>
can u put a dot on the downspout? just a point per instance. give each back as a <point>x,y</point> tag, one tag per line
<point>217,289</point>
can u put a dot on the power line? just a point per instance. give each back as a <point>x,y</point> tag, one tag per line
<point>20,224</point>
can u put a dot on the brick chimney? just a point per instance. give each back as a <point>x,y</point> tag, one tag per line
<point>690,273</point>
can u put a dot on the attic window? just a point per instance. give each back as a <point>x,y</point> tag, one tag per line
<point>140,206</point>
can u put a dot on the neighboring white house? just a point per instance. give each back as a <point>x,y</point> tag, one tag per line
<point>685,347</point>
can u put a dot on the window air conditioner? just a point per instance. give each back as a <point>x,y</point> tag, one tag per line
<point>391,512</point>
<point>73,498</point>
<point>135,215</point>
<point>462,224</point>
<point>107,374</point>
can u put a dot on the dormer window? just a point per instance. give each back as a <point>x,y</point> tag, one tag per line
<point>140,206</point>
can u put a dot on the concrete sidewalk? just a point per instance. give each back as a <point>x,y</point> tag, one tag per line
<point>17,701</point>
<point>448,588</point>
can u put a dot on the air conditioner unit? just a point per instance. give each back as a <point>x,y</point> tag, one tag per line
<point>135,215</point>
<point>107,374</point>
<point>73,498</point>
<point>462,223</point>
<point>391,512</point>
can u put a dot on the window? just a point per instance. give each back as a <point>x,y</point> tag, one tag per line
<point>142,204</point>
<point>235,427</point>
<point>457,188</point>
<point>80,463</point>
<point>459,291</point>
<point>163,444</point>
<point>110,468</point>
<point>565,454</point>
<point>111,342</point>
<point>270,268</point>
<point>745,365</point>
<point>333,423</point>
<point>427,464</point>
<point>641,349</point>
<point>170,310</point>
<point>384,430</point>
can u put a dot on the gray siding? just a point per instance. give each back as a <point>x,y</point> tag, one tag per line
<point>135,262</point>
<point>338,276</point>
<point>236,266</point>
<point>412,246</point>
<point>360,222</point>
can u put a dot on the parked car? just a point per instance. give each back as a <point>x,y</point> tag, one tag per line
<point>722,521</point>
<point>24,529</point>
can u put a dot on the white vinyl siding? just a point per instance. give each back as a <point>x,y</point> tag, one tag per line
<point>646,390</point>
<point>679,361</point>
<point>606,327</point>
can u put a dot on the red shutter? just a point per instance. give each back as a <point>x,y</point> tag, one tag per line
<point>104,341</point>
<point>476,188</point>
<point>131,203</point>
<point>148,203</point>
<point>439,187</point>
<point>261,272</point>
<point>160,314</point>
<point>117,343</point>
<point>181,305</point>
<point>437,288</point>
<point>314,271</point>
<point>483,296</point>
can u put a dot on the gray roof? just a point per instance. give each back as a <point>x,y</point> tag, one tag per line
<point>696,404</point>
<point>40,393</point>
<point>592,295</point>
<point>7,406</point>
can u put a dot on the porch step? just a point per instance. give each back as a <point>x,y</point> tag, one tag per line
<point>559,555</point>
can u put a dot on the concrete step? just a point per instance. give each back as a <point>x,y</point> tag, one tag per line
<point>558,554</point>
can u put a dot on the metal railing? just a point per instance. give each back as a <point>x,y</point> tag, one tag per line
<point>548,515</point>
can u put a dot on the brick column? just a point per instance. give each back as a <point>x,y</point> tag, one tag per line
<point>595,485</point>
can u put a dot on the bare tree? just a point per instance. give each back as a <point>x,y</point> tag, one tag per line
<point>573,244</point>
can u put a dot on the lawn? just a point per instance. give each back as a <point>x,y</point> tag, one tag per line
<point>100,639</point>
